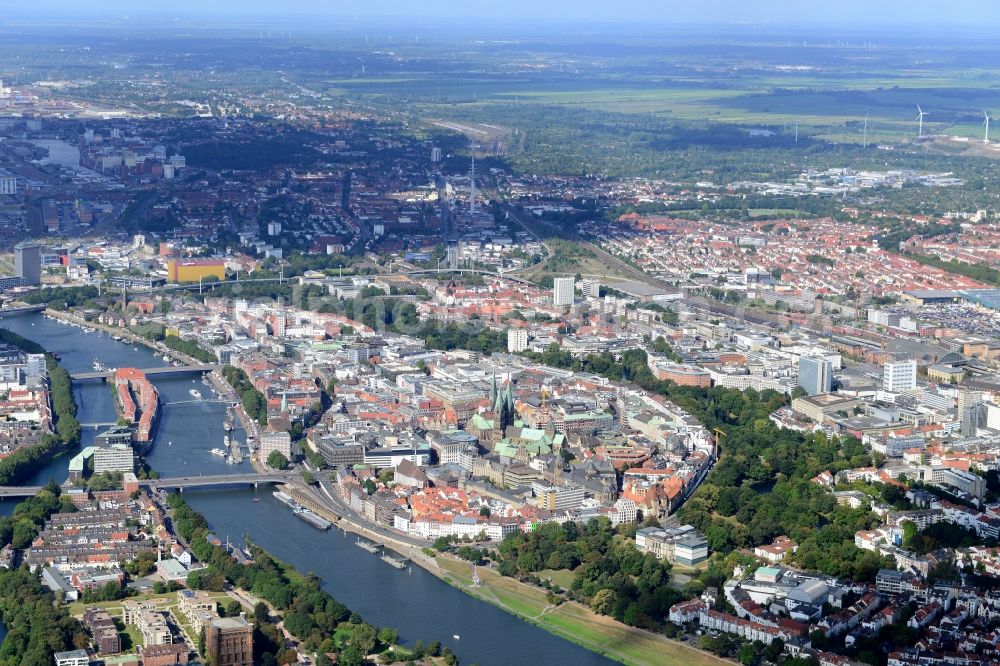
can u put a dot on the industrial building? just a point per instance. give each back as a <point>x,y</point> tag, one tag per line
<point>193,270</point>
<point>229,641</point>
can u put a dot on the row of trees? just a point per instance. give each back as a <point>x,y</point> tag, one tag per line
<point>253,400</point>
<point>189,347</point>
<point>322,623</point>
<point>979,272</point>
<point>62,298</point>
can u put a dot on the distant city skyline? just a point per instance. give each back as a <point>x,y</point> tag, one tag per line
<point>857,13</point>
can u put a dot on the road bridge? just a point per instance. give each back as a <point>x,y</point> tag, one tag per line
<point>216,480</point>
<point>150,372</point>
<point>21,309</point>
<point>181,482</point>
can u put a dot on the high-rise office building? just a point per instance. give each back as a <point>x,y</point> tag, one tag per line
<point>517,340</point>
<point>815,375</point>
<point>28,262</point>
<point>563,290</point>
<point>971,411</point>
<point>435,154</point>
<point>899,376</point>
<point>590,288</point>
<point>35,369</point>
<point>8,185</point>
<point>114,458</point>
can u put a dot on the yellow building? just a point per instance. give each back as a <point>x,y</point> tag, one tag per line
<point>946,373</point>
<point>193,270</point>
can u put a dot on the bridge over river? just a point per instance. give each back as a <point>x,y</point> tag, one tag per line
<point>149,372</point>
<point>181,482</point>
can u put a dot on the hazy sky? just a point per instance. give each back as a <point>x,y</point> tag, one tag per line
<point>857,12</point>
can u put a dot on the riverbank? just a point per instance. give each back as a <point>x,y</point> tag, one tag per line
<point>126,335</point>
<point>572,621</point>
<point>309,619</point>
<point>61,427</point>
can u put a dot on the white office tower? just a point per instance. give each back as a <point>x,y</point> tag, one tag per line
<point>517,340</point>
<point>435,154</point>
<point>563,290</point>
<point>8,185</point>
<point>35,369</point>
<point>899,376</point>
<point>590,288</point>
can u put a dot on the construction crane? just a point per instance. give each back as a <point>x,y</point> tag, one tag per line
<point>545,395</point>
<point>718,434</point>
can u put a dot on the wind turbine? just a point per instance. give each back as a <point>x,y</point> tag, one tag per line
<point>986,124</point>
<point>920,119</point>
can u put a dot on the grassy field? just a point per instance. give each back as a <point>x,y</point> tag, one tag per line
<point>575,622</point>
<point>831,106</point>
<point>560,577</point>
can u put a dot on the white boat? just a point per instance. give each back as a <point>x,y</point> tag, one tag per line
<point>455,636</point>
<point>218,452</point>
<point>285,499</point>
<point>195,393</point>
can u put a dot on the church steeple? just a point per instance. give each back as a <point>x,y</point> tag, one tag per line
<point>503,407</point>
<point>493,390</point>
